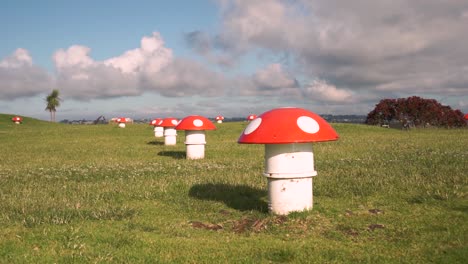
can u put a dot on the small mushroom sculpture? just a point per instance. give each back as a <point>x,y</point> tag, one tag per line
<point>158,130</point>
<point>170,134</point>
<point>288,134</point>
<point>17,120</point>
<point>195,127</point>
<point>251,117</point>
<point>219,119</point>
<point>122,121</point>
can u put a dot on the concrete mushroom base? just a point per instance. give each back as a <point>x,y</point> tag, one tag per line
<point>195,142</point>
<point>289,195</point>
<point>158,132</point>
<point>170,135</point>
<point>289,169</point>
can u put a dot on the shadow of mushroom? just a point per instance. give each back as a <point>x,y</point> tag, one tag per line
<point>155,142</point>
<point>173,153</point>
<point>239,197</point>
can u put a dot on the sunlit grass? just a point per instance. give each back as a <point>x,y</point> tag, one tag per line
<point>103,194</point>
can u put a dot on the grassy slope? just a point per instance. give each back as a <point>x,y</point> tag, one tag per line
<point>100,193</point>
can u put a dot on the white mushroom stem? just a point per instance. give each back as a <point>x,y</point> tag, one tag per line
<point>122,125</point>
<point>170,135</point>
<point>220,121</point>
<point>289,169</point>
<point>158,131</point>
<point>17,122</point>
<point>195,142</point>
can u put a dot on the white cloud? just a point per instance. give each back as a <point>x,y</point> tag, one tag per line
<point>74,56</point>
<point>19,77</point>
<point>273,77</point>
<point>151,67</point>
<point>368,47</point>
<point>150,58</point>
<point>20,58</point>
<point>185,78</point>
<point>320,90</point>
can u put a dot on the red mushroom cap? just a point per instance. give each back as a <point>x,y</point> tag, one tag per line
<point>16,119</point>
<point>220,117</point>
<point>195,122</point>
<point>121,120</point>
<point>466,117</point>
<point>287,125</point>
<point>251,117</point>
<point>155,122</point>
<point>169,122</point>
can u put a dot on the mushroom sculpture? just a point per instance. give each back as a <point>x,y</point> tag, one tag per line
<point>122,121</point>
<point>288,134</point>
<point>251,117</point>
<point>219,119</point>
<point>195,127</point>
<point>158,130</point>
<point>170,134</point>
<point>17,120</point>
<point>466,117</point>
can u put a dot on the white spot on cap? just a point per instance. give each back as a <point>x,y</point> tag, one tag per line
<point>308,124</point>
<point>197,123</point>
<point>253,126</point>
<point>174,122</point>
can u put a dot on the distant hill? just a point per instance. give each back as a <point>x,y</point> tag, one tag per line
<point>5,121</point>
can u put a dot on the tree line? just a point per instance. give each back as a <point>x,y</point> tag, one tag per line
<point>415,111</point>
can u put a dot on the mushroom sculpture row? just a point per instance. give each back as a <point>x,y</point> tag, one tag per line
<point>288,134</point>
<point>17,120</point>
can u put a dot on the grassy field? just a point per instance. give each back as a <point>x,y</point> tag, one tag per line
<point>98,194</point>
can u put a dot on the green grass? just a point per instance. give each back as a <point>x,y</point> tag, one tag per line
<point>99,194</point>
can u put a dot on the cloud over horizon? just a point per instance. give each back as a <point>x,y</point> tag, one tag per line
<point>150,68</point>
<point>388,47</point>
<point>346,55</point>
<point>19,77</point>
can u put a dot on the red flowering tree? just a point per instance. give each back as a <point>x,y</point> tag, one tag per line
<point>415,111</point>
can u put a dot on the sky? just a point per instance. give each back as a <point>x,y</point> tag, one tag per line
<point>148,58</point>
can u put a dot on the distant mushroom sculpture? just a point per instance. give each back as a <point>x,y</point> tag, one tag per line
<point>17,120</point>
<point>251,117</point>
<point>170,134</point>
<point>219,119</point>
<point>122,121</point>
<point>195,127</point>
<point>158,130</point>
<point>288,134</point>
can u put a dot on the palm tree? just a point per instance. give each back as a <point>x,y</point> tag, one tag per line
<point>53,101</point>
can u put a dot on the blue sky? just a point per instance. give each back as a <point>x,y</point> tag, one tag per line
<point>232,57</point>
<point>108,27</point>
